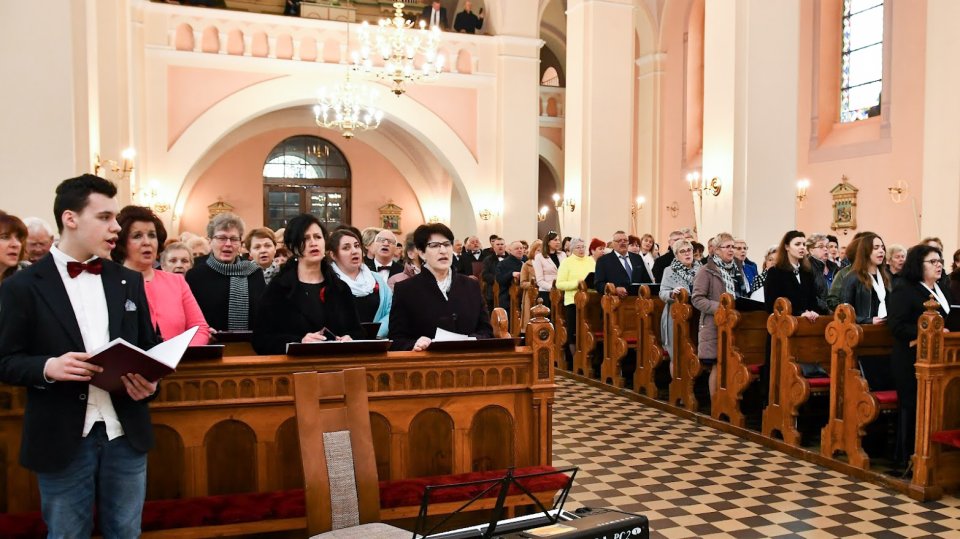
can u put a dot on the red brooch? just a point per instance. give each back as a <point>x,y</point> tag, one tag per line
<point>323,295</point>
<point>376,287</point>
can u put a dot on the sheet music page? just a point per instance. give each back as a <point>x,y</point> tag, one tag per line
<point>171,351</point>
<point>444,335</point>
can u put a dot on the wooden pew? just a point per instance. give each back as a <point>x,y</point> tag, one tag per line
<point>686,363</point>
<point>936,464</point>
<point>793,341</point>
<point>589,328</point>
<point>228,426</point>
<point>560,335</point>
<point>741,347</point>
<point>619,333</point>
<point>650,353</point>
<point>853,405</point>
<point>516,306</point>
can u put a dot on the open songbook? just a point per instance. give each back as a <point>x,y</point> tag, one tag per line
<point>119,357</point>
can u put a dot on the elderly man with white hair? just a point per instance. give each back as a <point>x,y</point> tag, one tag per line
<point>39,238</point>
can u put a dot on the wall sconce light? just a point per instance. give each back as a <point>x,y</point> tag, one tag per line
<point>123,168</point>
<point>486,214</point>
<point>433,220</point>
<point>802,186</point>
<point>635,211</point>
<point>152,198</point>
<point>698,186</point>
<point>674,209</point>
<point>542,214</point>
<point>564,204</point>
<point>898,192</point>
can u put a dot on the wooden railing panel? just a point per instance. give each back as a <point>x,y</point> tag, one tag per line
<point>619,325</point>
<point>686,363</point>
<point>559,327</point>
<point>741,343</point>
<point>589,320</point>
<point>649,347</point>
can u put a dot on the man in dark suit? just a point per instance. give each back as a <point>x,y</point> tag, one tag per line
<point>470,257</point>
<point>489,250</point>
<point>507,269</point>
<point>488,271</point>
<point>83,443</point>
<point>664,260</point>
<point>466,21</point>
<point>383,251</point>
<point>435,15</point>
<point>621,267</point>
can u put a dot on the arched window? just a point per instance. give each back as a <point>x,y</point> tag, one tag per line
<point>861,68</point>
<point>306,174</point>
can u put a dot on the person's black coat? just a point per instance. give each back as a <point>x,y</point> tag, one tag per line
<point>395,267</point>
<point>428,12</point>
<point>904,307</point>
<point>802,295</point>
<point>286,313</point>
<point>465,264</point>
<point>865,302</point>
<point>37,323</point>
<point>488,273</point>
<point>212,290</point>
<point>505,270</point>
<point>662,263</point>
<point>419,308</point>
<point>610,270</point>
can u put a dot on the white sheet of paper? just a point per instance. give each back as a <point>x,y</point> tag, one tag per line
<point>444,335</point>
<point>171,352</point>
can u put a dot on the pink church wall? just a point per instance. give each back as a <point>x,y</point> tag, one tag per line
<point>455,106</point>
<point>553,134</point>
<point>237,178</point>
<point>191,91</point>
<point>842,149</point>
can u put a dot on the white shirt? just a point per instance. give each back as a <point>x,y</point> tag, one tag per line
<point>881,292</point>
<point>941,299</point>
<point>648,261</point>
<point>89,304</point>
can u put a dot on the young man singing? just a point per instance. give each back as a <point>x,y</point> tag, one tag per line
<point>84,444</point>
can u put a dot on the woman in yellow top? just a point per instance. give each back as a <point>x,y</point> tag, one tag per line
<point>572,270</point>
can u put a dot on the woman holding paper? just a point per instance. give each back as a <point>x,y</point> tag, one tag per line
<point>306,302</point>
<point>437,299</point>
<point>173,308</point>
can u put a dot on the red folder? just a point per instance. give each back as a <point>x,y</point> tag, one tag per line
<point>119,357</point>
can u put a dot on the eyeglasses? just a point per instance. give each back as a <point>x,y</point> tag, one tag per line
<point>227,239</point>
<point>935,261</point>
<point>725,246</point>
<point>438,244</point>
<point>684,251</point>
<point>383,240</point>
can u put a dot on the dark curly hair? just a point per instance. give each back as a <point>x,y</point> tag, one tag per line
<point>126,218</point>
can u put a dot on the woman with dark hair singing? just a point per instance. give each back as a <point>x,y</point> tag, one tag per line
<point>371,295</point>
<point>437,298</point>
<point>306,301</point>
<point>792,278</point>
<point>868,283</point>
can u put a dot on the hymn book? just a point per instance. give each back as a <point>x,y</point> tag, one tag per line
<point>118,357</point>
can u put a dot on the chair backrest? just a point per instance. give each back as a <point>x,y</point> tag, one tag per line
<point>336,447</point>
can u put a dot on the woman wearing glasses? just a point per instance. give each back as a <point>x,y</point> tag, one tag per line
<point>918,283</point>
<point>306,302</point>
<point>437,298</point>
<point>679,274</point>
<point>227,288</point>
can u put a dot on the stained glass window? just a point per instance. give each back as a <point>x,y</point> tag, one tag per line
<point>861,67</point>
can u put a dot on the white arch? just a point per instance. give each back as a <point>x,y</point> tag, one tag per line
<point>552,155</point>
<point>299,90</point>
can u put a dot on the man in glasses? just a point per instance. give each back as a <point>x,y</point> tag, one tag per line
<point>383,261</point>
<point>624,269</point>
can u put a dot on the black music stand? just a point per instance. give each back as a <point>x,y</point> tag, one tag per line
<point>504,484</point>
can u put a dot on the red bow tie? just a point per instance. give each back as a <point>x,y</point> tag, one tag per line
<point>95,266</point>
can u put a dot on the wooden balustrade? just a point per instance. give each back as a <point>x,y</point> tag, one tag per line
<point>589,321</point>
<point>686,363</point>
<point>650,353</point>
<point>793,341</point>
<point>741,350</point>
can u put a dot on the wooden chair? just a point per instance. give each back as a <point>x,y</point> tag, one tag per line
<point>336,448</point>
<point>686,363</point>
<point>853,405</point>
<point>649,348</point>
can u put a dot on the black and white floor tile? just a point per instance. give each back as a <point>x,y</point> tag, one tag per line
<point>693,481</point>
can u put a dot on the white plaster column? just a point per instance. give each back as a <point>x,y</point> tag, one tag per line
<point>648,108</point>
<point>518,122</point>
<point>599,132</point>
<point>941,127</point>
<point>751,58</point>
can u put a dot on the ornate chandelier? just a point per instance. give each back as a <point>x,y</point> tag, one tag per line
<point>398,44</point>
<point>349,108</point>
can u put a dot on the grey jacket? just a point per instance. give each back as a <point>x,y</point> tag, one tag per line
<point>670,282</point>
<point>707,288</point>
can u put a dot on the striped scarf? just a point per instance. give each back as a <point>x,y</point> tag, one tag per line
<point>684,273</point>
<point>239,306</point>
<point>729,274</point>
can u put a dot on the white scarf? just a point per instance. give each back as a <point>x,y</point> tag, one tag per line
<point>445,285</point>
<point>364,283</point>
<point>881,292</point>
<point>648,262</point>
<point>941,299</point>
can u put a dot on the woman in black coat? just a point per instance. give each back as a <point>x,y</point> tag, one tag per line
<point>437,297</point>
<point>791,277</point>
<point>306,302</point>
<point>919,281</point>
<point>868,283</point>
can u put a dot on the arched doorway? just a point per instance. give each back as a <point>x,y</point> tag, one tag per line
<point>306,174</point>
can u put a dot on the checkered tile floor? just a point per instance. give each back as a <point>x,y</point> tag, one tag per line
<point>693,481</point>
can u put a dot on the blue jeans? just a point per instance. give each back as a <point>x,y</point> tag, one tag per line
<point>110,471</point>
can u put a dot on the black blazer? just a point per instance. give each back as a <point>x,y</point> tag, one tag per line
<point>610,270</point>
<point>661,263</point>
<point>465,264</point>
<point>427,15</point>
<point>802,295</point>
<point>505,270</point>
<point>286,314</point>
<point>37,323</point>
<point>212,291</point>
<point>419,308</point>
<point>865,302</point>
<point>904,307</point>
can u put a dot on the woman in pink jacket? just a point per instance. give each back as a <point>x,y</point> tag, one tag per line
<point>173,309</point>
<point>545,265</point>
